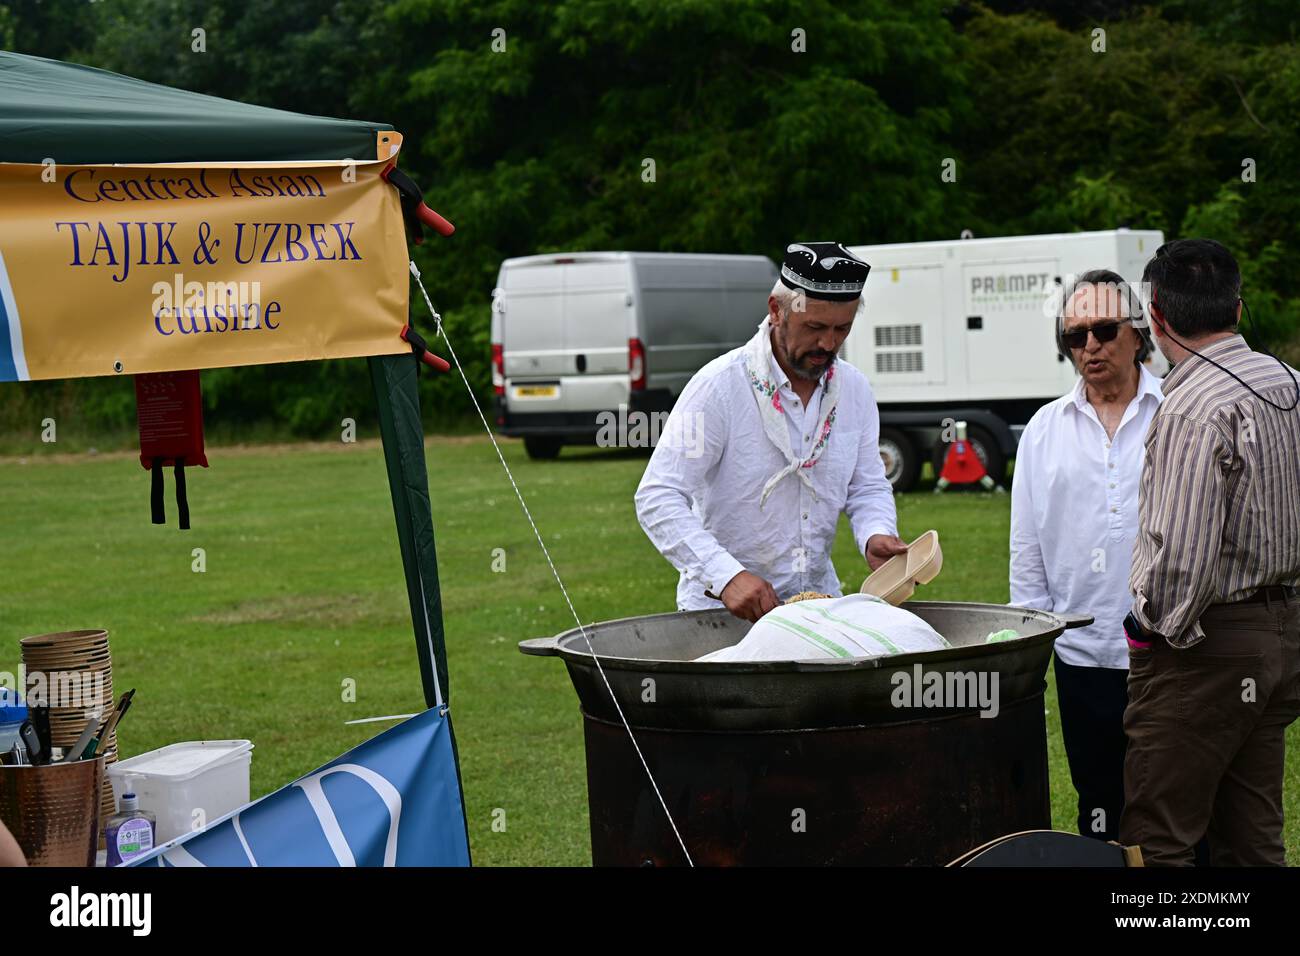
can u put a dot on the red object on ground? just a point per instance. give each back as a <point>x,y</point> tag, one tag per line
<point>169,408</point>
<point>962,466</point>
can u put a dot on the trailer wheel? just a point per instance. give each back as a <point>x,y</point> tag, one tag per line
<point>986,450</point>
<point>540,447</point>
<point>901,459</point>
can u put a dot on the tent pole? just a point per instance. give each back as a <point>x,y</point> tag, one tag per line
<point>397,395</point>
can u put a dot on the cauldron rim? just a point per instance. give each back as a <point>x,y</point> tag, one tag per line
<point>556,646</point>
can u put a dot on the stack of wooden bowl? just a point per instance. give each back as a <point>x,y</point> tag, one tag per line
<point>72,672</point>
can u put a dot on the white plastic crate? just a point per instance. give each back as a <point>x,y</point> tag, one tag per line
<point>173,782</point>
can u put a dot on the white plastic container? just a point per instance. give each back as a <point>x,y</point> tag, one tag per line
<point>186,785</point>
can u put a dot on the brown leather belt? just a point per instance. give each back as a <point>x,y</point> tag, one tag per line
<point>1276,592</point>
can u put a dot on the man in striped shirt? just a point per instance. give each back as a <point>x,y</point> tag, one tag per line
<point>1214,634</point>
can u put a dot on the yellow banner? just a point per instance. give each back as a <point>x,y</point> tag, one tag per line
<point>110,270</point>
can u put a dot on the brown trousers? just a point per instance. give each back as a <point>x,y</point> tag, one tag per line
<point>1206,731</point>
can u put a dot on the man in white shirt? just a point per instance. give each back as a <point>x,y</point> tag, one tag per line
<point>1074,505</point>
<point>783,439</point>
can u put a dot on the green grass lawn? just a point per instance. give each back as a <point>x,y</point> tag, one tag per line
<point>303,590</point>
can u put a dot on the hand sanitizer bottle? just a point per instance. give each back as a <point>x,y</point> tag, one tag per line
<point>129,832</point>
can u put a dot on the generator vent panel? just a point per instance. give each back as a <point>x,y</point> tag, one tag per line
<point>898,349</point>
<point>895,336</point>
<point>895,362</point>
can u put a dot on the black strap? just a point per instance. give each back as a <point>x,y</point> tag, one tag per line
<point>156,492</point>
<point>182,502</point>
<point>418,345</point>
<point>410,197</point>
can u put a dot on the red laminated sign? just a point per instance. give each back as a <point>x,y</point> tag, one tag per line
<point>170,411</point>
<point>169,408</point>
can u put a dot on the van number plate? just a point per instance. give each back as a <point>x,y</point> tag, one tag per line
<point>536,391</point>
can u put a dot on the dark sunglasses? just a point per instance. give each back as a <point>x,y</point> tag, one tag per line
<point>1102,331</point>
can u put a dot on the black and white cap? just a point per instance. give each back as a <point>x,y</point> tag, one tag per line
<point>824,270</point>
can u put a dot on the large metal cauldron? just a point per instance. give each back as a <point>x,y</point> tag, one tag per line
<point>811,762</point>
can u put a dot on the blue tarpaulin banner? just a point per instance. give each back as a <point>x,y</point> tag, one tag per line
<point>393,801</point>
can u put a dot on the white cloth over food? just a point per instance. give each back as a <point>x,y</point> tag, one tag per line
<point>857,625</point>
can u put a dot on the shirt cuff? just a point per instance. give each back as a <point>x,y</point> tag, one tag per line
<point>1140,608</point>
<point>718,573</point>
<point>864,534</point>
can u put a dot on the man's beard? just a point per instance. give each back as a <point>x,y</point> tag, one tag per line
<point>800,365</point>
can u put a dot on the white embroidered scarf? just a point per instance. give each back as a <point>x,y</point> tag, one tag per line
<point>758,366</point>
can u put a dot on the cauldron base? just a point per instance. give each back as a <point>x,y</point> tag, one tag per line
<point>915,793</point>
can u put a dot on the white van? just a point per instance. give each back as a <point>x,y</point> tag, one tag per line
<point>577,335</point>
<point>956,330</point>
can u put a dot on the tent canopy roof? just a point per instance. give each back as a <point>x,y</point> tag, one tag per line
<point>79,115</point>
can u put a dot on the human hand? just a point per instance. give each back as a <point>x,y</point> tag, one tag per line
<point>748,596</point>
<point>882,547</point>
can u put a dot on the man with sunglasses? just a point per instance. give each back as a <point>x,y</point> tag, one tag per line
<point>1214,633</point>
<point>1073,523</point>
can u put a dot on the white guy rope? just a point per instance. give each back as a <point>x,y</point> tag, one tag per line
<point>375,720</point>
<point>563,590</point>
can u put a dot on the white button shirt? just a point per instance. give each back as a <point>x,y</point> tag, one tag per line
<point>698,500</point>
<point>1074,518</point>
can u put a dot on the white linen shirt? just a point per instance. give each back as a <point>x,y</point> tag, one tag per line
<point>1074,518</point>
<point>698,500</point>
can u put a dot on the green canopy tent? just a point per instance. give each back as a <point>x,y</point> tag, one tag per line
<point>78,115</point>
